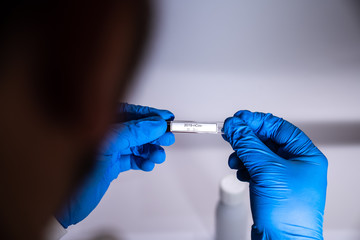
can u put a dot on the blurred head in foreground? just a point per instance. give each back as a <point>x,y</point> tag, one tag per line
<point>63,67</point>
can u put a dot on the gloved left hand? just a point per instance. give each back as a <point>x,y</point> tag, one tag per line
<point>133,144</point>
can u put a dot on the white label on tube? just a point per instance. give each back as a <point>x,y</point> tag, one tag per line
<point>193,127</point>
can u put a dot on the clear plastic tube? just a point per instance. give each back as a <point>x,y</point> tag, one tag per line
<point>195,127</point>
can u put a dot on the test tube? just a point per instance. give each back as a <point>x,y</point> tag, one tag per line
<point>195,127</point>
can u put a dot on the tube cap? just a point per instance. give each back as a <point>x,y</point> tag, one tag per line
<point>232,190</point>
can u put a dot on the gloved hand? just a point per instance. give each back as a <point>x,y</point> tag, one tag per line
<point>132,144</point>
<point>286,172</point>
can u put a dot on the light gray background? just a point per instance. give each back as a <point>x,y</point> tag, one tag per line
<point>297,59</point>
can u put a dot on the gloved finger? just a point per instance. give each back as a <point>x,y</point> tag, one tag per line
<point>234,162</point>
<point>248,147</point>
<point>157,154</point>
<point>150,152</point>
<point>134,112</point>
<point>135,133</point>
<point>224,137</point>
<point>243,175</point>
<point>141,163</point>
<point>291,140</point>
<point>165,140</point>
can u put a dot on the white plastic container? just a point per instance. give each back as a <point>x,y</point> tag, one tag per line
<point>232,210</point>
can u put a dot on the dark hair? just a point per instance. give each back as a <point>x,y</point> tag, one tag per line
<point>62,32</point>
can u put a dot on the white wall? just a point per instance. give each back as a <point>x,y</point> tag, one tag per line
<point>255,36</point>
<point>298,59</point>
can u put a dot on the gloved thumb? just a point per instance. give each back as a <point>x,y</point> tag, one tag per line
<point>248,147</point>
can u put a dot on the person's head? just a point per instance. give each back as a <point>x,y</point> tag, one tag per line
<point>63,67</point>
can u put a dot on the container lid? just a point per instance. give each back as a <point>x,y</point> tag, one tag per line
<point>232,190</point>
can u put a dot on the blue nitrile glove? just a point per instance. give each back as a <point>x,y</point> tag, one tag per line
<point>133,144</point>
<point>286,172</point>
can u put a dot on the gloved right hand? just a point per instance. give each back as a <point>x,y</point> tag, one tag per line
<point>135,143</point>
<point>286,172</point>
